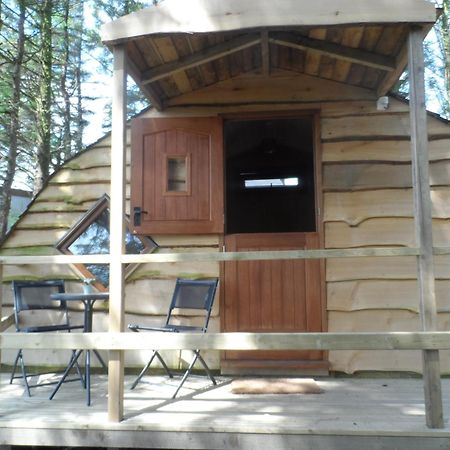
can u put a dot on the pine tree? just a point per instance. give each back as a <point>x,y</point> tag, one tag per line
<point>13,113</point>
<point>44,98</point>
<point>106,11</point>
<point>42,114</point>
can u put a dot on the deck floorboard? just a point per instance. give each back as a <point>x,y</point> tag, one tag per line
<point>378,413</point>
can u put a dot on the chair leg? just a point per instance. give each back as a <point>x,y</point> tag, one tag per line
<point>100,359</point>
<point>205,366</point>
<point>189,369</point>
<point>77,366</point>
<point>136,381</point>
<point>13,373</point>
<point>161,360</point>
<point>163,363</point>
<point>19,358</point>
<point>24,374</point>
<point>187,373</point>
<point>73,361</point>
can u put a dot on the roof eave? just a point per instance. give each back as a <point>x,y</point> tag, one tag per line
<point>211,16</point>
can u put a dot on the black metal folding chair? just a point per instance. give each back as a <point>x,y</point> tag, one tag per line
<point>188,295</point>
<point>35,312</point>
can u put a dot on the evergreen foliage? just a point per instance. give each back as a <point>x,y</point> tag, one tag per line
<point>44,49</point>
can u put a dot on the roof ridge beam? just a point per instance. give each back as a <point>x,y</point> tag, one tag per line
<point>353,55</point>
<point>201,57</point>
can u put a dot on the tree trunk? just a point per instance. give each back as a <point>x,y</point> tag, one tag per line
<point>5,194</point>
<point>80,124</point>
<point>43,112</point>
<point>66,113</point>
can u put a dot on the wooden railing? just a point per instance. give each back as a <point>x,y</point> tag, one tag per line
<point>408,340</point>
<point>223,256</point>
<point>423,341</point>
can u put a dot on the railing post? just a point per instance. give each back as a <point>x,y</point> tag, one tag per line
<point>423,225</point>
<point>1,304</point>
<point>117,232</point>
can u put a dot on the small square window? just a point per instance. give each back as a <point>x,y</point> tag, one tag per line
<point>90,236</point>
<point>177,174</point>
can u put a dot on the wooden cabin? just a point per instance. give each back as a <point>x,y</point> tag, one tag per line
<point>272,129</point>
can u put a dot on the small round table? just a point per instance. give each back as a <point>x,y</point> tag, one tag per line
<point>88,299</point>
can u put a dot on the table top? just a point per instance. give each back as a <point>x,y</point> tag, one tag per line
<point>73,296</point>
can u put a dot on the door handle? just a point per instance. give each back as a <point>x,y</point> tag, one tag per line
<point>137,215</point>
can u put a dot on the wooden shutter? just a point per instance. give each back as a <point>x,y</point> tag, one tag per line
<point>177,176</point>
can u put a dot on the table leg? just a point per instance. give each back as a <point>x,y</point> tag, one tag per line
<point>88,377</point>
<point>88,310</point>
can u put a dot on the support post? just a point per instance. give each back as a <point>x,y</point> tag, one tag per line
<point>423,225</point>
<point>117,232</point>
<point>1,304</point>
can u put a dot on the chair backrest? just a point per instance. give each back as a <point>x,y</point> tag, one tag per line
<point>194,294</point>
<point>35,295</point>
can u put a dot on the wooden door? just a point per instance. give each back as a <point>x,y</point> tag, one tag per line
<point>177,176</point>
<point>272,296</point>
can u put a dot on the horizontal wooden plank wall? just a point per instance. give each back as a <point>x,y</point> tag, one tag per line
<point>368,202</point>
<point>69,194</point>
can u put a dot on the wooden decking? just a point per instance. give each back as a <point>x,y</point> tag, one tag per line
<point>350,414</point>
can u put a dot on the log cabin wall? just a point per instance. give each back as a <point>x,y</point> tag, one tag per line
<point>367,201</point>
<point>69,194</point>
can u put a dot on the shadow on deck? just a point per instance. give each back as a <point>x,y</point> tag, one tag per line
<point>349,414</point>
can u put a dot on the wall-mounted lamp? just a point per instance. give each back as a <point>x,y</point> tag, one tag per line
<point>383,103</point>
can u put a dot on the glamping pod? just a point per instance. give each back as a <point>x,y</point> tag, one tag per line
<point>272,128</point>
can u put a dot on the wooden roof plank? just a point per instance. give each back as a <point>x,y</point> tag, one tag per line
<point>209,16</point>
<point>169,54</point>
<point>333,50</point>
<point>221,65</point>
<point>201,57</point>
<point>351,38</point>
<point>312,63</point>
<point>207,71</point>
<point>183,49</point>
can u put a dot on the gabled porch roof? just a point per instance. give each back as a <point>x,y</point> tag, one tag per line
<point>179,47</point>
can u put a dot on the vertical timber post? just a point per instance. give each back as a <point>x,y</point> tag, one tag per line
<point>117,232</point>
<point>1,304</point>
<point>423,226</point>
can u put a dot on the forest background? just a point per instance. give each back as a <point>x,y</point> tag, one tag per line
<point>54,74</point>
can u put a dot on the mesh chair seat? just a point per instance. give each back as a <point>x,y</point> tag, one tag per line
<point>35,312</point>
<point>195,295</point>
